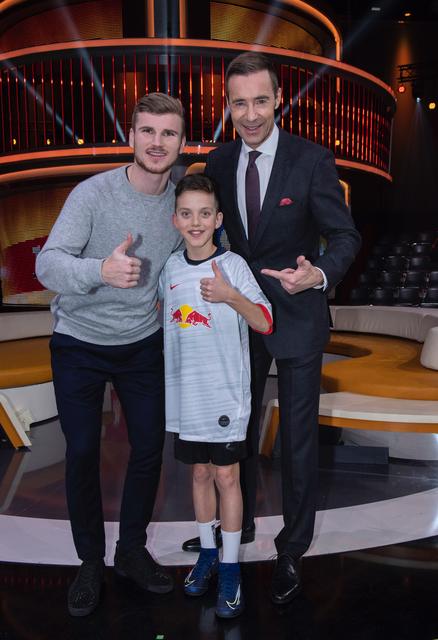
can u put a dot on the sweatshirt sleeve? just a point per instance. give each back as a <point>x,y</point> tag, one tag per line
<point>60,265</point>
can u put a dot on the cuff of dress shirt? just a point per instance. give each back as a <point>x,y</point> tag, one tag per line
<point>322,286</point>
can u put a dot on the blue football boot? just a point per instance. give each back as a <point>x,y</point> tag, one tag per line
<point>197,581</point>
<point>229,598</point>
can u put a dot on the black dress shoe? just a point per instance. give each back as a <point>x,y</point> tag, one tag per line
<point>138,566</point>
<point>286,583</point>
<point>248,534</point>
<point>84,592</point>
<point>194,544</point>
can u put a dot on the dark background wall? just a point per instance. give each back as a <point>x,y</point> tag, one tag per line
<point>379,46</point>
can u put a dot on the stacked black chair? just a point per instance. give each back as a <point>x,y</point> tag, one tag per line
<point>374,264</point>
<point>433,279</point>
<point>390,278</point>
<point>367,279</point>
<point>408,297</point>
<point>416,279</point>
<point>400,249</point>
<point>425,236</point>
<point>359,295</point>
<point>431,298</point>
<point>421,249</point>
<point>387,239</point>
<point>395,263</point>
<point>383,297</point>
<point>419,263</point>
<point>380,250</point>
<point>405,236</point>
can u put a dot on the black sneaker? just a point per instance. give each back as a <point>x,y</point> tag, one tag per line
<point>84,592</point>
<point>138,565</point>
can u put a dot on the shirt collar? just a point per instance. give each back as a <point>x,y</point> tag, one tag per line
<point>268,147</point>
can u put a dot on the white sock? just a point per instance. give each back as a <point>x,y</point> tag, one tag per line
<point>206,534</point>
<point>230,545</point>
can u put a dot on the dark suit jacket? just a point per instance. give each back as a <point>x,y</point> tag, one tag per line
<point>306,174</point>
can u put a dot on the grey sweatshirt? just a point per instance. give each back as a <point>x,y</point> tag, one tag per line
<point>97,216</point>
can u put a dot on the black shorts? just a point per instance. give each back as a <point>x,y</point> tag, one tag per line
<point>219,453</point>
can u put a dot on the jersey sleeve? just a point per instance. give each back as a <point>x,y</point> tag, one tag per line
<point>241,278</point>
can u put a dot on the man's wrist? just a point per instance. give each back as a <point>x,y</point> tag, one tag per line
<point>322,280</point>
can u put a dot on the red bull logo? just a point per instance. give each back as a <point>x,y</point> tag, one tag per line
<point>185,316</point>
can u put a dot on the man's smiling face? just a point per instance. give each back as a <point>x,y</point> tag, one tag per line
<point>157,140</point>
<point>252,103</point>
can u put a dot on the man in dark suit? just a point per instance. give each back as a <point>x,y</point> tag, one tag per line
<point>274,216</point>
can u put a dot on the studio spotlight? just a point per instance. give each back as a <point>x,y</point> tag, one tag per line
<point>418,90</point>
<point>80,141</point>
<point>431,105</point>
<point>401,88</point>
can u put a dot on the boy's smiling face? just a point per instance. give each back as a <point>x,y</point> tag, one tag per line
<point>196,218</point>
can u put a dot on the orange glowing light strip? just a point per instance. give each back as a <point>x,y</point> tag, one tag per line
<point>322,113</point>
<point>212,95</point>
<point>182,18</point>
<point>80,169</point>
<point>350,164</point>
<point>298,4</point>
<point>341,95</point>
<point>151,18</point>
<point>223,98</point>
<point>217,45</point>
<point>307,8</point>
<point>113,150</point>
<point>201,78</point>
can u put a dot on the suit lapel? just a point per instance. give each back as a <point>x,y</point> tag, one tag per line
<point>283,162</point>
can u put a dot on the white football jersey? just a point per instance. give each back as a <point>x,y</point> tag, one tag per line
<point>206,350</point>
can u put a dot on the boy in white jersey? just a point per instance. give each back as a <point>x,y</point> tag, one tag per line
<point>210,295</point>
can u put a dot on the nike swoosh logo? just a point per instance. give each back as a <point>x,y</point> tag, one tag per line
<point>172,286</point>
<point>236,601</point>
<point>187,581</point>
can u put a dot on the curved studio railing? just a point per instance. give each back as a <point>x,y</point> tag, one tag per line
<point>81,94</point>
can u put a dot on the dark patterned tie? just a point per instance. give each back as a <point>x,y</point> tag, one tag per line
<point>252,195</point>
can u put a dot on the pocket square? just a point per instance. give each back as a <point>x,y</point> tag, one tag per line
<point>285,201</point>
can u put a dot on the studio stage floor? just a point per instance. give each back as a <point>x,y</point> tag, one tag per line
<point>370,574</point>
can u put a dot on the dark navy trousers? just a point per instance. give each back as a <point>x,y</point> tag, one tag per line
<point>298,399</point>
<point>80,372</point>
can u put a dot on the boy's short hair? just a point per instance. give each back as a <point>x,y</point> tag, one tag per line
<point>197,182</point>
<point>251,62</point>
<point>158,104</point>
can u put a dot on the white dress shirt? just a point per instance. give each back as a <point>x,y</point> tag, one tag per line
<point>264,163</point>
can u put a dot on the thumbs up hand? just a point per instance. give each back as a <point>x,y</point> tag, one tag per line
<point>216,289</point>
<point>120,270</point>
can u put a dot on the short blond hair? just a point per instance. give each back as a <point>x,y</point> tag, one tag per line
<point>159,104</point>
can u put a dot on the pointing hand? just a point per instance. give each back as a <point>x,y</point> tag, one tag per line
<point>305,276</point>
<point>120,270</point>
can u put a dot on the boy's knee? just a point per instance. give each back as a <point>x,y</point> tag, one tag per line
<point>227,477</point>
<point>202,473</point>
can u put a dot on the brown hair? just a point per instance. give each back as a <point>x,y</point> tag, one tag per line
<point>197,182</point>
<point>251,62</point>
<point>159,104</point>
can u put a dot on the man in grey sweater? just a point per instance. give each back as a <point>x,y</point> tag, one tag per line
<point>103,258</point>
